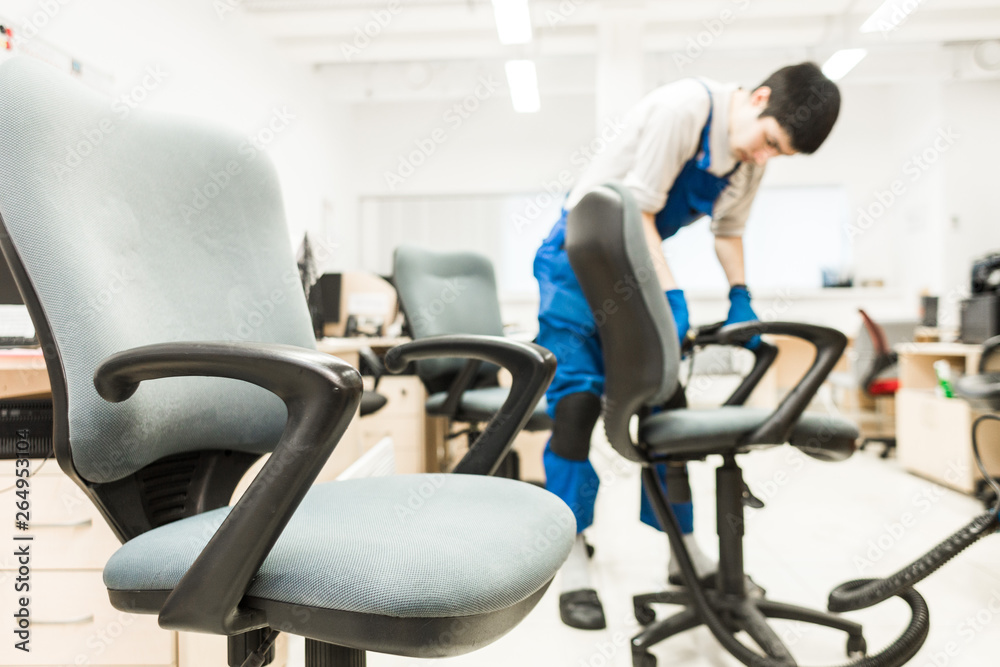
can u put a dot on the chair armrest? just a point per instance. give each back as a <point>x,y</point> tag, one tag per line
<point>531,367</point>
<point>829,344</point>
<point>321,394</point>
<point>989,348</point>
<point>764,355</point>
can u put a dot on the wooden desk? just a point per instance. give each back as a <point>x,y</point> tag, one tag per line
<point>933,433</point>
<point>23,374</point>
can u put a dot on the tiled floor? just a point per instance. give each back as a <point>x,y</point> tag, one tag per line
<point>824,524</point>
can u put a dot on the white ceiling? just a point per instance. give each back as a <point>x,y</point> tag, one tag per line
<point>427,46</point>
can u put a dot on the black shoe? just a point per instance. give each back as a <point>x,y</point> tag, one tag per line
<point>582,610</point>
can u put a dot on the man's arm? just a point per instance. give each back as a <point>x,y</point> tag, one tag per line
<point>729,250</point>
<point>655,243</point>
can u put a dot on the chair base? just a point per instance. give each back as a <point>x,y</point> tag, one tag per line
<point>739,613</point>
<point>889,445</point>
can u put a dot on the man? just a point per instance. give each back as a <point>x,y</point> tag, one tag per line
<point>689,149</point>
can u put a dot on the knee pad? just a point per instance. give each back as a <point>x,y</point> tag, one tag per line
<point>576,415</point>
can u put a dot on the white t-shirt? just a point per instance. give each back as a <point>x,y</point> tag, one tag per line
<point>659,136</point>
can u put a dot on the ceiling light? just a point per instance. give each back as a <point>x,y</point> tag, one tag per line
<point>513,21</point>
<point>889,15</point>
<point>523,82</point>
<point>842,62</point>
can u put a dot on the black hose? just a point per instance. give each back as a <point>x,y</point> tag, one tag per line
<point>848,597</point>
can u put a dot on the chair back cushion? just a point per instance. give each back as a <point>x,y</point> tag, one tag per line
<point>447,293</point>
<point>611,259</point>
<point>135,229</point>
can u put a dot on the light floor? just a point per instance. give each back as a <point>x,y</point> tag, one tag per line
<point>824,524</point>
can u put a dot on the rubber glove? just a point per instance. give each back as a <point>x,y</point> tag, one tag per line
<point>679,308</point>
<point>740,310</point>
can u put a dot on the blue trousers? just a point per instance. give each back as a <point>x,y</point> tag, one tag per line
<point>567,328</point>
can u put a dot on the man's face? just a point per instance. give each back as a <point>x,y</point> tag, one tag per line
<point>755,139</point>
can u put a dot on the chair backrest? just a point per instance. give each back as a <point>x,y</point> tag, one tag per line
<point>447,293</point>
<point>612,262</point>
<point>127,232</point>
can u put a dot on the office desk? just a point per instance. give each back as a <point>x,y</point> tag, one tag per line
<point>23,374</point>
<point>933,433</point>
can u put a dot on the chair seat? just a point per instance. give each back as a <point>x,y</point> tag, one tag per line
<point>479,405</point>
<point>884,387</point>
<point>695,433</point>
<point>410,547</point>
<point>983,391</point>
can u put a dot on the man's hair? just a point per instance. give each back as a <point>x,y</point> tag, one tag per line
<point>804,102</point>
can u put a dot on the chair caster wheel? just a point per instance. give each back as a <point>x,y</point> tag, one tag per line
<point>857,647</point>
<point>643,659</point>
<point>644,614</point>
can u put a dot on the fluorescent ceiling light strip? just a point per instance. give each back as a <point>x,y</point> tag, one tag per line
<point>523,81</point>
<point>889,15</point>
<point>513,21</point>
<point>842,62</point>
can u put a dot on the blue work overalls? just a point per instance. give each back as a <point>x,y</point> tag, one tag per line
<point>567,328</point>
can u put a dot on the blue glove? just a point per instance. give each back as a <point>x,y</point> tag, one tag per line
<point>679,308</point>
<point>741,311</point>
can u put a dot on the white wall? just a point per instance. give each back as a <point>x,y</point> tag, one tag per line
<point>210,65</point>
<point>900,241</point>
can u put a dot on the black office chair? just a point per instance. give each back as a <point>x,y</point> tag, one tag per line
<point>208,287</point>
<point>456,293</point>
<point>982,391</point>
<point>607,249</point>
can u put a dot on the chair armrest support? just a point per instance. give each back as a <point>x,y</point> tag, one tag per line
<point>989,349</point>
<point>367,357</point>
<point>321,394</point>
<point>764,355</point>
<point>829,344</point>
<point>462,383</point>
<point>531,367</point>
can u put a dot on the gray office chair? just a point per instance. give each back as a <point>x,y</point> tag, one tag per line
<point>607,249</point>
<point>158,272</point>
<point>456,293</point>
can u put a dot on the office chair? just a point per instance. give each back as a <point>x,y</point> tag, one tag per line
<point>456,293</point>
<point>982,391</point>
<point>201,359</point>
<point>879,375</point>
<point>607,250</point>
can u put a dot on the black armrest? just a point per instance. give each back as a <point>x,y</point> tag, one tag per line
<point>829,344</point>
<point>321,393</point>
<point>764,355</point>
<point>531,367</point>
<point>989,348</point>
